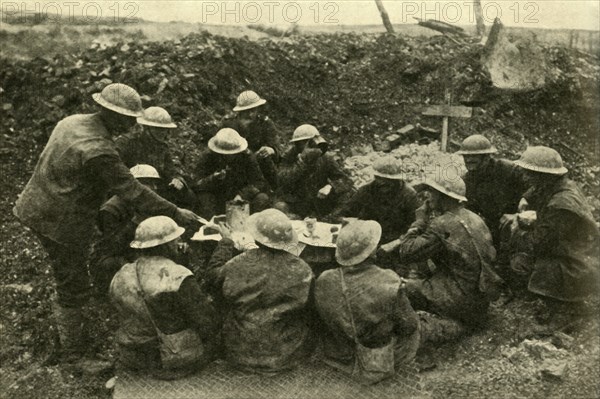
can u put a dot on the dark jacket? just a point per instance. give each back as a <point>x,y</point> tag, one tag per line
<point>460,245</point>
<point>379,307</point>
<point>141,147</point>
<point>261,132</point>
<point>494,190</point>
<point>394,211</point>
<point>565,244</point>
<point>77,171</point>
<point>264,296</point>
<point>243,174</point>
<point>299,184</point>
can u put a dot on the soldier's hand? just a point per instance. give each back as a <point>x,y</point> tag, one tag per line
<point>185,218</point>
<point>225,230</point>
<point>176,183</point>
<point>423,212</point>
<point>310,156</point>
<point>220,175</point>
<point>523,205</point>
<point>265,152</point>
<point>390,246</point>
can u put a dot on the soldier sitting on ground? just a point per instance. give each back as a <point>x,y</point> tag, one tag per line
<point>117,222</point>
<point>311,183</point>
<point>360,302</point>
<point>388,200</point>
<point>264,294</point>
<point>460,287</point>
<point>264,138</point>
<point>227,169</point>
<point>149,145</point>
<point>554,254</point>
<point>168,326</point>
<point>494,186</point>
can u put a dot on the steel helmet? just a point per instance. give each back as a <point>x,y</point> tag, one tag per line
<point>454,188</point>
<point>543,160</point>
<point>227,141</point>
<point>156,231</point>
<point>356,241</point>
<point>476,145</point>
<point>157,117</point>
<point>273,229</point>
<point>143,171</point>
<point>121,99</point>
<point>305,132</point>
<point>388,167</point>
<point>248,100</point>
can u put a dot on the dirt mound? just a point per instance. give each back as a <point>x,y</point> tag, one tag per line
<point>351,86</point>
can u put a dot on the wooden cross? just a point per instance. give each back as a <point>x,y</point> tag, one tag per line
<point>448,111</point>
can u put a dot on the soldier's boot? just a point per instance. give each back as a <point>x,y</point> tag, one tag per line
<point>74,342</point>
<point>436,329</point>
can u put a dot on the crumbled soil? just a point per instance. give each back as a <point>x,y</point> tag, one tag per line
<point>356,88</point>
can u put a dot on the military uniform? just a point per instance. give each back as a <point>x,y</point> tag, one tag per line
<point>243,177</point>
<point>264,295</point>
<point>174,302</point>
<point>299,185</point>
<point>460,245</point>
<point>76,170</point>
<point>494,190</point>
<point>394,210</point>
<point>261,132</point>
<point>563,262</point>
<point>380,309</point>
<point>140,147</point>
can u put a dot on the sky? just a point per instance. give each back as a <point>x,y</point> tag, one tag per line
<point>573,14</point>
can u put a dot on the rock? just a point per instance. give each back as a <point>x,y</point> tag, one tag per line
<point>22,288</point>
<point>394,140</point>
<point>554,370</point>
<point>58,100</point>
<point>541,350</point>
<point>162,85</point>
<point>125,48</point>
<point>7,107</point>
<point>562,340</point>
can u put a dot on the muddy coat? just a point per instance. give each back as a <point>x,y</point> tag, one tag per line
<point>77,169</point>
<point>380,310</point>
<point>264,296</point>
<point>300,184</point>
<point>494,190</point>
<point>460,245</point>
<point>174,300</point>
<point>394,211</point>
<point>565,244</point>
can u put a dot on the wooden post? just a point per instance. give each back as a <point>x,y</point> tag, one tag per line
<point>479,18</point>
<point>384,16</point>
<point>447,111</point>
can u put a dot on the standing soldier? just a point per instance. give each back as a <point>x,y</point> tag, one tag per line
<point>79,166</point>
<point>494,186</point>
<point>150,146</point>
<point>261,133</point>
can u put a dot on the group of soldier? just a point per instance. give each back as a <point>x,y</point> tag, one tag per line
<point>414,266</point>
